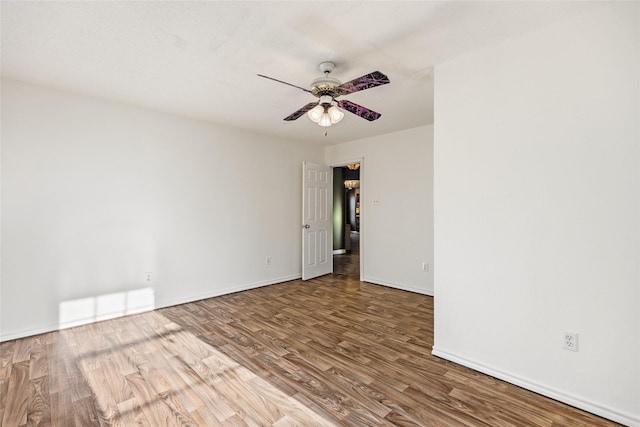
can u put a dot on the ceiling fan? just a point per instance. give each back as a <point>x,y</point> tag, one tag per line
<point>324,112</point>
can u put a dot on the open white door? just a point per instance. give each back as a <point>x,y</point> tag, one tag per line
<point>317,231</point>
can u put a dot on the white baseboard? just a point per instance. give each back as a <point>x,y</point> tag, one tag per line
<point>28,333</point>
<point>230,290</point>
<point>375,281</point>
<point>559,395</point>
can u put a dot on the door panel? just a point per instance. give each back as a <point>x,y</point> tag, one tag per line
<point>316,232</point>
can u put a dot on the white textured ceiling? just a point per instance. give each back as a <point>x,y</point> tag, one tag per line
<point>200,59</point>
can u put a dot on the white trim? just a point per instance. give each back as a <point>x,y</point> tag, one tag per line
<point>341,163</point>
<point>339,251</point>
<point>397,286</point>
<point>559,395</point>
<point>29,333</point>
<point>232,290</point>
<point>178,301</point>
<point>363,214</point>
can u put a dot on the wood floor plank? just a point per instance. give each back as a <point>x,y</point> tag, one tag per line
<point>19,391</point>
<point>61,409</point>
<point>152,406</point>
<point>106,402</point>
<point>38,365</point>
<point>131,414</point>
<point>214,404</point>
<point>326,352</point>
<point>38,412</point>
<point>4,391</point>
<point>6,360</point>
<point>22,349</point>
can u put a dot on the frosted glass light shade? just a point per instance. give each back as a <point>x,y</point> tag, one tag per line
<point>325,120</point>
<point>335,114</point>
<point>315,114</point>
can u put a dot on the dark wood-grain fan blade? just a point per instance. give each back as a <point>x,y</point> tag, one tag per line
<point>361,83</point>
<point>280,81</point>
<point>300,112</point>
<point>359,110</point>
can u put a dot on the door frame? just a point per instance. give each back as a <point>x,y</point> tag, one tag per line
<point>344,163</point>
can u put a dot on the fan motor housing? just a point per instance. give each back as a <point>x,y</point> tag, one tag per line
<point>324,86</point>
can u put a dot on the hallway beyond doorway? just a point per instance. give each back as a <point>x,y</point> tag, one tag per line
<point>347,265</point>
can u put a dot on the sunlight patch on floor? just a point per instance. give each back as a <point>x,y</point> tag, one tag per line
<point>147,366</point>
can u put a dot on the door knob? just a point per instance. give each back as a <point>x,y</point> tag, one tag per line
<point>306,226</point>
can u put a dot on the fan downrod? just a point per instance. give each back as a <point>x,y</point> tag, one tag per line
<point>325,86</point>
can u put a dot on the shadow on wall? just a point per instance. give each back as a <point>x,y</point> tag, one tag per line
<point>108,306</point>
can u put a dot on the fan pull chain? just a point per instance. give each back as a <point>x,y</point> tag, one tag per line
<point>325,132</point>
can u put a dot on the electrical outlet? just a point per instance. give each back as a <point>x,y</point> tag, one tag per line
<point>147,276</point>
<point>425,266</point>
<point>570,341</point>
<point>267,260</point>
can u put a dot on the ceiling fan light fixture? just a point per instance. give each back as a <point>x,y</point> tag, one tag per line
<point>350,184</point>
<point>324,112</point>
<point>315,114</point>
<point>335,114</point>
<point>325,120</point>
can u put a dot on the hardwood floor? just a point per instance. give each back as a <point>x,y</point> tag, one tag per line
<point>330,351</point>
<point>347,266</point>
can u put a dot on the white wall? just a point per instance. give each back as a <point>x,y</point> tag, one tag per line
<point>95,194</point>
<point>537,210</point>
<point>397,230</point>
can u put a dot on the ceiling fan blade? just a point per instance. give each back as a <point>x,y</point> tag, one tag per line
<point>280,81</point>
<point>300,112</point>
<point>359,110</point>
<point>361,83</point>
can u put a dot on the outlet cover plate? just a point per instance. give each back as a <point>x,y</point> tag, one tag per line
<point>570,341</point>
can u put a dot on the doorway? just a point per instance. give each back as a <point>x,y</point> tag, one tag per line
<point>347,220</point>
